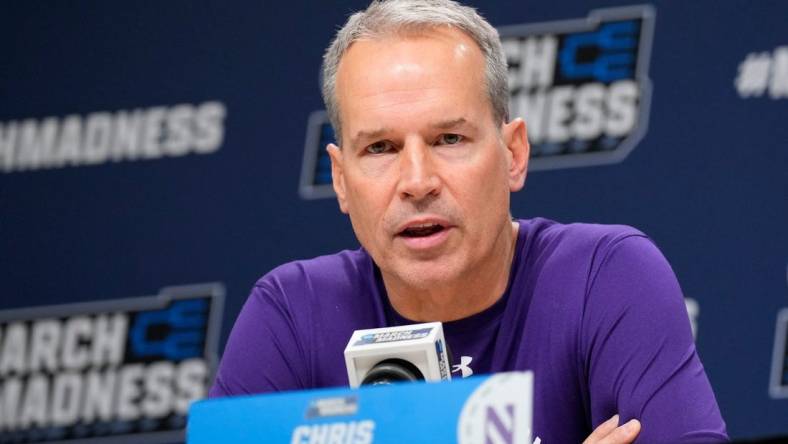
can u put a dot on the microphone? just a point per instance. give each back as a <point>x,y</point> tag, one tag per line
<point>397,354</point>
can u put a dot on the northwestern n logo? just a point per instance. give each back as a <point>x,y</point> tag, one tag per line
<point>499,425</point>
<point>499,411</point>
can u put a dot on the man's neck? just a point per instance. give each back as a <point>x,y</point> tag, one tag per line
<point>471,294</point>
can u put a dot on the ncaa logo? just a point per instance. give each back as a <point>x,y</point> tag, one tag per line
<point>581,85</point>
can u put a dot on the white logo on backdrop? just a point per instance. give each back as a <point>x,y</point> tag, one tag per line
<point>120,370</point>
<point>103,137</point>
<point>764,73</point>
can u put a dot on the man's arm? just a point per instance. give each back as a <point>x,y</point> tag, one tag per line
<point>263,352</point>
<point>639,354</point>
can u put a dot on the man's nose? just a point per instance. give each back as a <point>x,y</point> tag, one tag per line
<point>418,174</point>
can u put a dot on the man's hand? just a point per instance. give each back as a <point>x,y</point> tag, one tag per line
<point>609,432</point>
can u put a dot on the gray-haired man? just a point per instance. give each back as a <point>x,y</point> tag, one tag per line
<point>425,163</point>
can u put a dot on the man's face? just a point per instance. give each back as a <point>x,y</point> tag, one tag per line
<point>424,171</point>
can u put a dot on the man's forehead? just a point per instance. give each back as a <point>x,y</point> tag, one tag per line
<point>439,67</point>
<point>409,55</point>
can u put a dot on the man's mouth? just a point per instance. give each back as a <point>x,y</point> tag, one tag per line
<point>422,230</point>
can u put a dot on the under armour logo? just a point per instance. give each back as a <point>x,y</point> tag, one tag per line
<point>463,366</point>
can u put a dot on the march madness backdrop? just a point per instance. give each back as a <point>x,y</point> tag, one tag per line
<point>156,159</point>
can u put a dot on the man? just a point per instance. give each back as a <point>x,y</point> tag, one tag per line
<point>425,164</point>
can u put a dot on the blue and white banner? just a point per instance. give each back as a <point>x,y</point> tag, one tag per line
<point>475,410</point>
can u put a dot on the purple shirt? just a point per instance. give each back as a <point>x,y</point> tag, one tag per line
<point>595,311</point>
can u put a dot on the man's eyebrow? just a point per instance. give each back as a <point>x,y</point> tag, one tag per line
<point>366,135</point>
<point>452,123</point>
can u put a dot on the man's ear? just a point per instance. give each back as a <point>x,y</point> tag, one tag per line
<point>515,136</point>
<point>337,175</point>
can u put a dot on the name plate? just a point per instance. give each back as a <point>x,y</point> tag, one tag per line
<point>480,409</point>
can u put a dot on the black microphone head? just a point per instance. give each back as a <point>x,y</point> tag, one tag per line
<point>392,370</point>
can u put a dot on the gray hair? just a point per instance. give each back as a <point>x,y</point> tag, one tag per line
<point>389,17</point>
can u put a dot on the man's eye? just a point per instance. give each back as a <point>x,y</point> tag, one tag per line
<point>378,147</point>
<point>450,139</point>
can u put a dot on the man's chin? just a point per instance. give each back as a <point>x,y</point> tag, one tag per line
<point>426,274</point>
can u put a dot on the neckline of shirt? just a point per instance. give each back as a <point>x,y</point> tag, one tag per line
<point>472,323</point>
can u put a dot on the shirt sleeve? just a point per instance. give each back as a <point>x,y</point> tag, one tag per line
<point>264,352</point>
<point>639,354</point>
